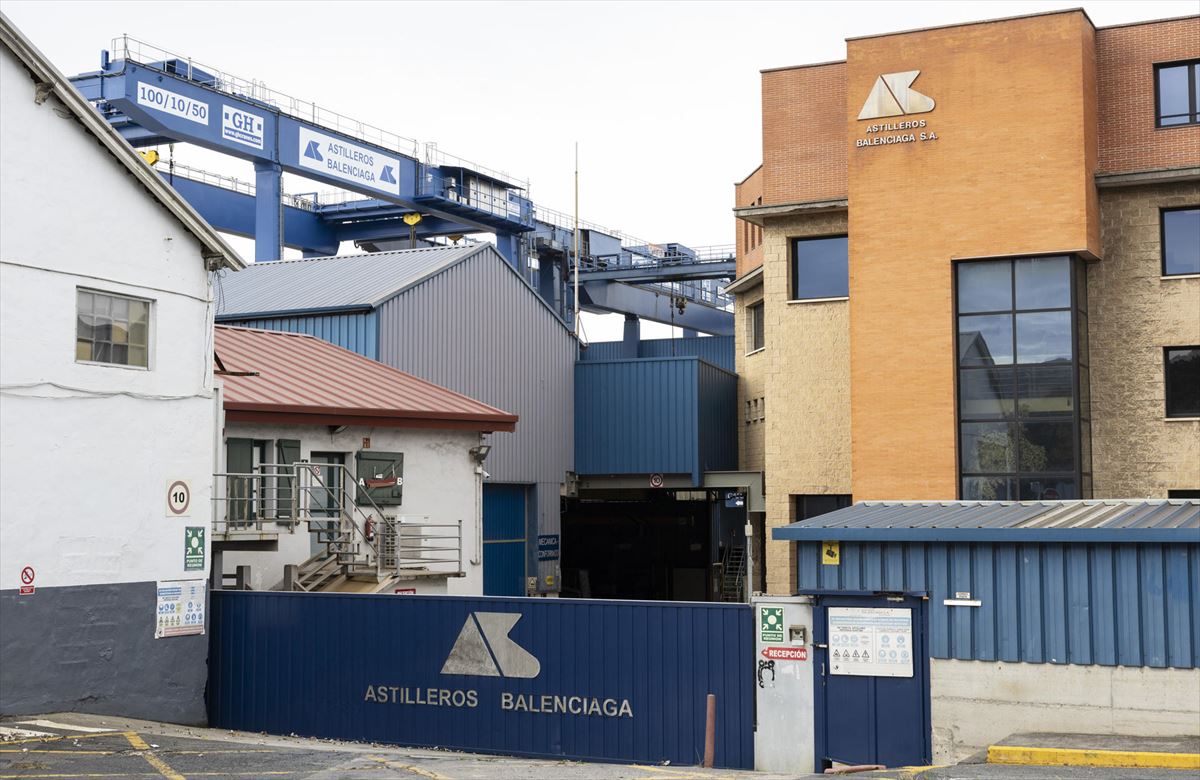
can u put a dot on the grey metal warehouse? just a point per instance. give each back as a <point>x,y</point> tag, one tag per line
<point>463,318</point>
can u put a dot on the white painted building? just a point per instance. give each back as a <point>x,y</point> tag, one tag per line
<point>389,494</point>
<point>107,398</point>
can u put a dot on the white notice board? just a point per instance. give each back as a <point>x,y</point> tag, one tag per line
<point>180,608</point>
<point>870,642</point>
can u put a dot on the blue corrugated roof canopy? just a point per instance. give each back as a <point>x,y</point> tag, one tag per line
<point>1174,520</point>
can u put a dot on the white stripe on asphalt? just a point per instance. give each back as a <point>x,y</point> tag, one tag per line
<point>22,733</point>
<point>49,724</point>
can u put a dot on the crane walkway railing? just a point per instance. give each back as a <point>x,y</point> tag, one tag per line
<point>151,56</point>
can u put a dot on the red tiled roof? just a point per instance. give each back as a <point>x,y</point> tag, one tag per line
<point>300,379</point>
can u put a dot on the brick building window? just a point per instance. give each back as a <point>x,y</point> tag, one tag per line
<point>1023,413</point>
<point>1177,93</point>
<point>755,327</point>
<point>1180,240</point>
<point>806,507</point>
<point>820,268</point>
<point>1182,378</point>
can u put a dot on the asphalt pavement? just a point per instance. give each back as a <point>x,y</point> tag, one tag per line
<point>92,747</point>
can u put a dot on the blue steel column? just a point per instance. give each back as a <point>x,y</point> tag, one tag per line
<point>268,211</point>
<point>632,336</point>
<point>509,246</point>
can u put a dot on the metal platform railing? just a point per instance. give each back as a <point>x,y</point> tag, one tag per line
<point>149,55</point>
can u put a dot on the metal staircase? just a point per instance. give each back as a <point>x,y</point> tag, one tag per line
<point>323,499</point>
<point>733,574</point>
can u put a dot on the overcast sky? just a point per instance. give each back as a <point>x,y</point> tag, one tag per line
<point>662,97</point>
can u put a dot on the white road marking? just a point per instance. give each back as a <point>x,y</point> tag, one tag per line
<point>49,724</point>
<point>11,733</point>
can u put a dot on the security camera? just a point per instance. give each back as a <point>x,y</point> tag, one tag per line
<point>486,475</point>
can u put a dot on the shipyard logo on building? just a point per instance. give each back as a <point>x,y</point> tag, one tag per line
<point>893,95</point>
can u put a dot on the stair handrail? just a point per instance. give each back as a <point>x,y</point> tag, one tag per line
<point>348,498</point>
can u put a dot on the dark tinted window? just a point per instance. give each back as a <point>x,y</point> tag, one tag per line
<point>814,505</point>
<point>1022,379</point>
<point>1177,92</point>
<point>820,268</point>
<point>1183,381</point>
<point>757,326</point>
<point>1181,241</point>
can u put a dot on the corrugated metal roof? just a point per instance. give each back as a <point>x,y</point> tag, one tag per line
<point>332,283</point>
<point>1050,521</point>
<point>301,379</point>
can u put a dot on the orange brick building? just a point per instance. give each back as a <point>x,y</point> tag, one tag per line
<point>969,268</point>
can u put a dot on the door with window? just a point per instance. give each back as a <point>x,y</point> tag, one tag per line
<point>871,680</point>
<point>247,489</point>
<point>323,498</point>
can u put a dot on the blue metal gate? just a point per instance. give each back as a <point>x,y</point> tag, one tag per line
<point>865,719</point>
<point>504,523</point>
<point>582,679</point>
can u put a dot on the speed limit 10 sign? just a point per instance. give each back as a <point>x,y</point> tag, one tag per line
<point>179,497</point>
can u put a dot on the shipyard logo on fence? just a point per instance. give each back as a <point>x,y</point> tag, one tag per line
<point>892,95</point>
<point>484,649</point>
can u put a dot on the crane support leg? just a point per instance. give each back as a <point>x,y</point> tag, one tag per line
<point>632,336</point>
<point>268,211</point>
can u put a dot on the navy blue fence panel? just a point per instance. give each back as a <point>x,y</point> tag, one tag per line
<point>590,680</point>
<point>355,331</point>
<point>1109,604</point>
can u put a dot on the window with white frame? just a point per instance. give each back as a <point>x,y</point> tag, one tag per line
<point>112,329</point>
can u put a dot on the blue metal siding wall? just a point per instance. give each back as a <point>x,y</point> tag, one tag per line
<point>1108,604</point>
<point>301,663</point>
<point>356,331</point>
<point>718,418</point>
<point>717,350</point>
<point>637,416</point>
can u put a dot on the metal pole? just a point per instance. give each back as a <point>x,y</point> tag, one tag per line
<point>576,232</point>
<point>710,731</point>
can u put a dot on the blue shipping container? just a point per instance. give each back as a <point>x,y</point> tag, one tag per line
<point>581,679</point>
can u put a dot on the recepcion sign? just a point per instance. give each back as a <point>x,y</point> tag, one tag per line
<point>870,642</point>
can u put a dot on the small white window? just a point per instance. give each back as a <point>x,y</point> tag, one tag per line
<point>112,329</point>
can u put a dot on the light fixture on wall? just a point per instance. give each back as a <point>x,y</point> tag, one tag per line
<point>480,453</point>
<point>336,429</point>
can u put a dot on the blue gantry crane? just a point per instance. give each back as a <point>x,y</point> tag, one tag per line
<point>391,190</point>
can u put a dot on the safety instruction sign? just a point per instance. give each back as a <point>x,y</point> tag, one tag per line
<point>193,548</point>
<point>349,162</point>
<point>870,642</point>
<point>770,624</point>
<point>180,608</point>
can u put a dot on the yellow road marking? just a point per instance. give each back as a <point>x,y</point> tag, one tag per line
<point>1125,759</point>
<point>163,768</point>
<point>670,773</point>
<point>416,770</point>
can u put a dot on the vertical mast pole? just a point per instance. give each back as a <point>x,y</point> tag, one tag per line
<point>575,320</point>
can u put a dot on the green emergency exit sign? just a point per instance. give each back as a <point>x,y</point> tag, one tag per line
<point>193,549</point>
<point>770,624</point>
